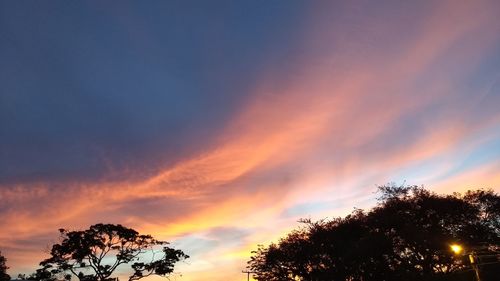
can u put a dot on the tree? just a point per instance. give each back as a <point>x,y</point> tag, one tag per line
<point>3,268</point>
<point>96,253</point>
<point>405,237</point>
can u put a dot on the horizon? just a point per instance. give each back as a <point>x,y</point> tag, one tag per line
<point>217,126</point>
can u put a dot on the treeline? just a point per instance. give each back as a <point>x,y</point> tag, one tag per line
<point>412,234</point>
<point>407,236</point>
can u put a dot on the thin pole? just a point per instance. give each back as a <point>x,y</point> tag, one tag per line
<point>248,274</point>
<point>476,269</point>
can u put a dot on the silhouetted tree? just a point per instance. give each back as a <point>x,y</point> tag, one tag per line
<point>405,237</point>
<point>3,268</point>
<point>94,254</point>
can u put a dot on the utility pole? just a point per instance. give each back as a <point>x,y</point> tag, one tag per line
<point>248,274</point>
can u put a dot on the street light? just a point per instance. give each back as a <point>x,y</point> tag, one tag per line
<point>458,249</point>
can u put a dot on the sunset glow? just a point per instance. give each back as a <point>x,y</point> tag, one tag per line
<point>218,126</point>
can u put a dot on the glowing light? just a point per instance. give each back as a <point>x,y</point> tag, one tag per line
<point>457,249</point>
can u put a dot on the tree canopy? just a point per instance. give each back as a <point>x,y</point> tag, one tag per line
<point>96,253</point>
<point>3,268</point>
<point>406,236</point>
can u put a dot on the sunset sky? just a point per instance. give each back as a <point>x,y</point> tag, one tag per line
<point>216,125</point>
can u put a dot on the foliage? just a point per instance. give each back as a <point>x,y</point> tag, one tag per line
<point>96,253</point>
<point>3,269</point>
<point>405,237</point>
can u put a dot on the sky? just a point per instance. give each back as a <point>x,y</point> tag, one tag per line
<point>217,125</point>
